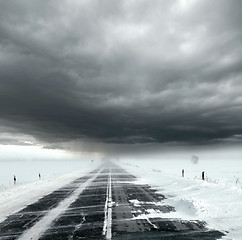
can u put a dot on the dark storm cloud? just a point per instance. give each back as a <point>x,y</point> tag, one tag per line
<point>121,71</point>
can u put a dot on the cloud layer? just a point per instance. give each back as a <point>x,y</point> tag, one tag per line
<point>121,71</point>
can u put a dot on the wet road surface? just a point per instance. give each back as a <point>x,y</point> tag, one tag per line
<point>105,204</point>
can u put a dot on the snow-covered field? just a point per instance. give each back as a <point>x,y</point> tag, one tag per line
<point>218,200</point>
<point>27,171</point>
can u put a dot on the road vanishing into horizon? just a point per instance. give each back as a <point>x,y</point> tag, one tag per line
<point>107,203</point>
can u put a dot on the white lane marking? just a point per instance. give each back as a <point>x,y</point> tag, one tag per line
<point>110,204</point>
<point>107,226</point>
<point>41,226</point>
<point>105,214</point>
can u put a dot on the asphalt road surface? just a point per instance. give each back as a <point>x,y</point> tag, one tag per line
<point>101,205</point>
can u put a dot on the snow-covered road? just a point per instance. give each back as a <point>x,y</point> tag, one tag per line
<point>81,210</point>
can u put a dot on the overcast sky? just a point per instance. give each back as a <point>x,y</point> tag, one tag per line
<point>120,73</point>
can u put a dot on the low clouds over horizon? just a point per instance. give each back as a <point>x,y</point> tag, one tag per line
<point>120,71</point>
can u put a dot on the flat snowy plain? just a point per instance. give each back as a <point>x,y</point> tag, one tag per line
<point>218,200</point>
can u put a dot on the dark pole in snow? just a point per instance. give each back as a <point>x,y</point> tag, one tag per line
<point>203,176</point>
<point>183,172</point>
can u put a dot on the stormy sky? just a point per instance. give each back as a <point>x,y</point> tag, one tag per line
<point>120,73</point>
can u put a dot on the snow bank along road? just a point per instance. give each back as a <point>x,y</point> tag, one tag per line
<point>105,204</point>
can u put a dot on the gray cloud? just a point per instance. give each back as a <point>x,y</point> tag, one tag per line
<point>121,72</point>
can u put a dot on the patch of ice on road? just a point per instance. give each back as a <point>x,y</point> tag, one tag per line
<point>138,203</point>
<point>144,210</point>
<point>135,202</point>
